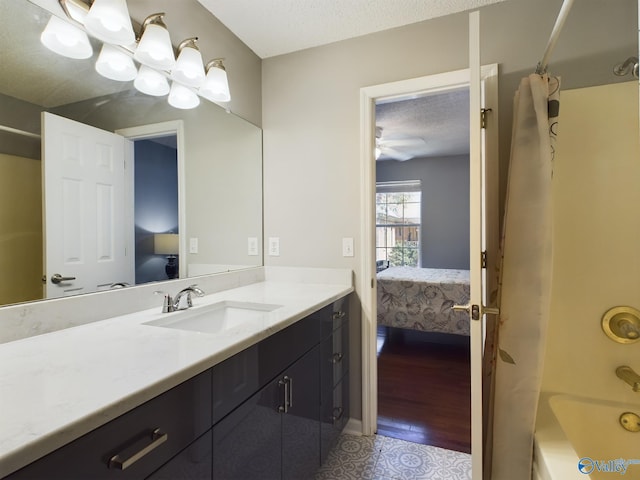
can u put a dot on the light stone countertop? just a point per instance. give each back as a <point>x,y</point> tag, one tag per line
<point>58,386</point>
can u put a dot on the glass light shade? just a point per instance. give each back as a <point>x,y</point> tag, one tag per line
<point>216,85</point>
<point>151,82</point>
<point>65,39</point>
<point>114,64</point>
<point>189,69</point>
<point>155,49</point>
<point>183,97</point>
<point>109,21</point>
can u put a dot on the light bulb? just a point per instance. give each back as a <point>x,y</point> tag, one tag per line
<point>189,69</point>
<point>109,21</point>
<point>183,97</point>
<point>216,85</point>
<point>151,82</point>
<point>114,64</point>
<point>155,49</point>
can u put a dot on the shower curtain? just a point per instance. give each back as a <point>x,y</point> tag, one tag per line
<point>525,279</point>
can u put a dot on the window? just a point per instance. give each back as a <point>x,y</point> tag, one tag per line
<point>398,221</point>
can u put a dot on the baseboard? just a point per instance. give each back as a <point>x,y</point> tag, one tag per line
<point>353,427</point>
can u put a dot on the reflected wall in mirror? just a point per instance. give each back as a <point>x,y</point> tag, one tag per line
<point>215,206</point>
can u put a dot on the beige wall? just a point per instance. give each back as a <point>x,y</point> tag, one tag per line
<point>311,110</point>
<point>596,239</point>
<point>20,229</point>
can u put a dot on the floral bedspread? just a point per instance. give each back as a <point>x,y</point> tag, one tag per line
<point>421,299</point>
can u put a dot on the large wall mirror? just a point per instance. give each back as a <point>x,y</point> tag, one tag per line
<point>192,192</point>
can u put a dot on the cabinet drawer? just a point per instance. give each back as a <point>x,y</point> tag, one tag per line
<point>179,415</point>
<point>335,414</point>
<point>280,350</point>
<point>193,463</point>
<point>334,358</point>
<point>334,316</point>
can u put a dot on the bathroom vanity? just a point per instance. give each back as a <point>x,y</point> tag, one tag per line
<point>262,398</point>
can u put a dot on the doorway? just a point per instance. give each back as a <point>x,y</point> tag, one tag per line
<point>422,263</point>
<point>429,85</point>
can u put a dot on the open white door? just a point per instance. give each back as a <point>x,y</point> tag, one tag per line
<point>483,233</point>
<point>85,231</point>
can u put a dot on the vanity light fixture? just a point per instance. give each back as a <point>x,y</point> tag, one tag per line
<point>65,39</point>
<point>183,97</point>
<point>151,82</point>
<point>116,65</point>
<point>189,69</point>
<point>216,84</point>
<point>109,21</point>
<point>154,47</point>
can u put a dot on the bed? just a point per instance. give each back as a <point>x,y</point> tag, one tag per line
<point>421,299</point>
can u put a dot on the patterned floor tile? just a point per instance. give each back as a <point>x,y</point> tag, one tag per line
<point>408,461</point>
<point>386,458</point>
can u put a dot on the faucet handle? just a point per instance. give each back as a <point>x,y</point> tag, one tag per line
<point>167,303</point>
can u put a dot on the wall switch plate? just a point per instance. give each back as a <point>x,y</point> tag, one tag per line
<point>274,246</point>
<point>252,246</point>
<point>347,247</point>
<point>193,245</point>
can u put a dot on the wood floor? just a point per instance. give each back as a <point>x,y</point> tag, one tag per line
<point>424,391</point>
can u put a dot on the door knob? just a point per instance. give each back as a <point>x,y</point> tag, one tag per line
<point>475,310</point>
<point>57,278</point>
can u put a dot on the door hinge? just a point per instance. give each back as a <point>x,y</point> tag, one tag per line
<point>483,257</point>
<point>483,117</point>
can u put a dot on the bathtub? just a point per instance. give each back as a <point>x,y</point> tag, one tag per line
<point>572,430</point>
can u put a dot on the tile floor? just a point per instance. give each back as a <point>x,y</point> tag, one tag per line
<point>386,458</point>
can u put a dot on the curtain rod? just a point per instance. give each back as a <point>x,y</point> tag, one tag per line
<point>19,132</point>
<point>555,33</point>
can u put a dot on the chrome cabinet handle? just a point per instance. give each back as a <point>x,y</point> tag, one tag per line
<point>336,358</point>
<point>57,278</point>
<point>290,391</point>
<point>157,439</point>
<point>337,416</point>
<point>285,407</point>
<point>339,315</point>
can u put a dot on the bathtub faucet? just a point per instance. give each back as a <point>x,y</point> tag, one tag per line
<point>628,375</point>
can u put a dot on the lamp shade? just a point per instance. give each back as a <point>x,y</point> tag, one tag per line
<point>216,85</point>
<point>109,21</point>
<point>65,39</point>
<point>155,49</point>
<point>114,64</point>
<point>189,69</point>
<point>183,97</point>
<point>151,82</point>
<point>165,244</point>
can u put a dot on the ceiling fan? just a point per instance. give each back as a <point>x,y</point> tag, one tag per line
<point>400,148</point>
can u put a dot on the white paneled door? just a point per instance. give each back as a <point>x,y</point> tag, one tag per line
<point>85,227</point>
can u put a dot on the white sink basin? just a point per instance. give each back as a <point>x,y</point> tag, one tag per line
<point>217,318</point>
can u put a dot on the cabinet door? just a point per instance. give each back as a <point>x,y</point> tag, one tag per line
<point>193,463</point>
<point>247,442</point>
<point>301,422</point>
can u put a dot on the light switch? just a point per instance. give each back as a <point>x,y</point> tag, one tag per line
<point>274,246</point>
<point>252,246</point>
<point>193,245</point>
<point>347,247</point>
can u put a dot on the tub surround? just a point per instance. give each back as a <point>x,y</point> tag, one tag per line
<point>571,427</point>
<point>57,386</point>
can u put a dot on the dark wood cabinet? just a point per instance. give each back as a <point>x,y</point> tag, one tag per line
<point>272,411</point>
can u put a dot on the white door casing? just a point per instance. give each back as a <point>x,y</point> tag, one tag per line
<point>484,235</point>
<point>86,236</point>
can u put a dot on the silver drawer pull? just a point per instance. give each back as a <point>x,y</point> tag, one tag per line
<point>337,414</point>
<point>336,358</point>
<point>339,315</point>
<point>157,439</point>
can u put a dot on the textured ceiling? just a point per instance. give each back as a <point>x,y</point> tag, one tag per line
<point>429,126</point>
<point>276,27</point>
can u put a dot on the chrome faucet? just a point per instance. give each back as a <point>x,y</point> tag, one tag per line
<point>182,300</point>
<point>628,375</point>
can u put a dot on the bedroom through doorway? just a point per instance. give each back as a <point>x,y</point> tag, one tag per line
<point>422,268</point>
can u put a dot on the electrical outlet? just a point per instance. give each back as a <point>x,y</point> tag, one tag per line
<point>347,247</point>
<point>193,245</point>
<point>274,246</point>
<point>252,246</point>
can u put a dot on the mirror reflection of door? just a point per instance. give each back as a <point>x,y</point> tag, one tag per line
<point>156,215</point>
<point>86,242</point>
